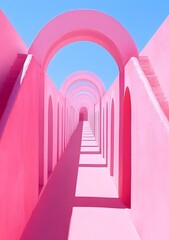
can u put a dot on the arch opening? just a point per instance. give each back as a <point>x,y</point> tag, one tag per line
<point>81,89</point>
<point>79,27</point>
<point>80,82</point>
<point>84,57</point>
<point>58,133</point>
<point>83,114</point>
<point>125,164</point>
<point>103,132</point>
<point>63,130</point>
<point>107,132</point>
<point>50,136</point>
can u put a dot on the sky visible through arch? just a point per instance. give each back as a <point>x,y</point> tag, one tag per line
<point>140,18</point>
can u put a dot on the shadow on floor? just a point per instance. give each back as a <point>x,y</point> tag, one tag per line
<point>90,152</point>
<point>51,217</point>
<point>98,202</point>
<point>93,165</point>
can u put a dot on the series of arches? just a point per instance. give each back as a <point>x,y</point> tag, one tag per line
<point>89,25</point>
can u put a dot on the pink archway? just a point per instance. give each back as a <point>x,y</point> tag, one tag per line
<point>96,88</point>
<point>86,25</point>
<point>50,136</point>
<point>84,104</point>
<point>84,88</point>
<point>82,99</point>
<point>83,75</point>
<point>112,139</point>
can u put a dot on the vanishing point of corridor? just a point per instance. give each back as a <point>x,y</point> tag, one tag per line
<point>80,201</point>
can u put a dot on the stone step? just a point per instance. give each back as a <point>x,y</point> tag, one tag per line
<point>154,83</point>
<point>7,86</point>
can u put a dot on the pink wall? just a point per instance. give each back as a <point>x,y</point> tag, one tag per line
<point>149,156</point>
<point>149,141</point>
<point>97,123</point>
<point>60,130</point>
<point>19,151</point>
<point>30,163</point>
<point>56,98</point>
<point>10,44</point>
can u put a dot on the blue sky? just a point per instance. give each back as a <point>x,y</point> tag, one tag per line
<point>140,18</point>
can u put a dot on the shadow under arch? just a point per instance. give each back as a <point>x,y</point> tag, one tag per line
<point>107,135</point>
<point>50,136</point>
<point>96,88</point>
<point>112,140</point>
<point>103,132</point>
<point>83,114</point>
<point>58,131</point>
<point>125,163</point>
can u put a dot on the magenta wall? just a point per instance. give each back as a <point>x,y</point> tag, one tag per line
<point>10,44</point>
<point>61,128</point>
<point>19,151</point>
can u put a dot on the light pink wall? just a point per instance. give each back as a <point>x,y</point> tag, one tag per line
<point>157,50</point>
<point>150,165</point>
<point>113,93</point>
<point>19,151</point>
<point>10,45</point>
<point>149,140</point>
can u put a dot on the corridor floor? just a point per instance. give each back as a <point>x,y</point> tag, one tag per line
<point>80,201</point>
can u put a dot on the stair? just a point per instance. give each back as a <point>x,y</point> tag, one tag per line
<point>7,86</point>
<point>154,83</point>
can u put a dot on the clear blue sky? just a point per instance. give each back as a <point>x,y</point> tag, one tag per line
<point>140,18</point>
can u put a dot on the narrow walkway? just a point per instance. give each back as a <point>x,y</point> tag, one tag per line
<point>80,201</point>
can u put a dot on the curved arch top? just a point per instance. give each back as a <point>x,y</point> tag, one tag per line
<point>82,98</point>
<point>84,88</point>
<point>83,25</point>
<point>83,75</point>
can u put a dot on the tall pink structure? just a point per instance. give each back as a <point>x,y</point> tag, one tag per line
<point>83,163</point>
